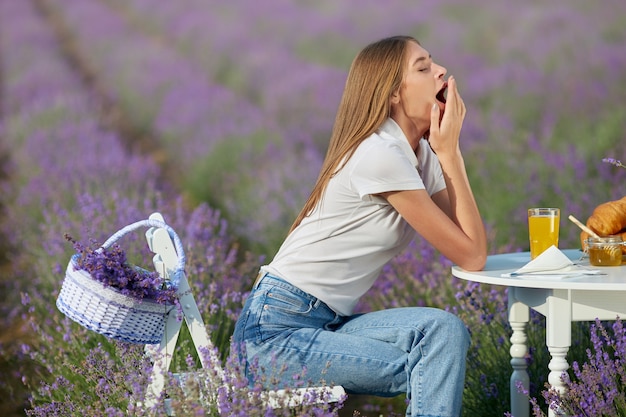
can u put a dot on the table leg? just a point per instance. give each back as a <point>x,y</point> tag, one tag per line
<point>558,364</point>
<point>558,338</point>
<point>519,316</point>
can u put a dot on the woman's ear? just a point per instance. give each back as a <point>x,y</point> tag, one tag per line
<point>395,97</point>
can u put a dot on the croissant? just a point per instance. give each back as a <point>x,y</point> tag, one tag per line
<point>608,219</point>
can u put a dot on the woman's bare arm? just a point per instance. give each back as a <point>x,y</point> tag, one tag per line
<point>450,220</point>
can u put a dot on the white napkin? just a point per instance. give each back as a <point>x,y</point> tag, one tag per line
<point>552,264</point>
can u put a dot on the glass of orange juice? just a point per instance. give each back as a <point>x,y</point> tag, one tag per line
<point>543,229</point>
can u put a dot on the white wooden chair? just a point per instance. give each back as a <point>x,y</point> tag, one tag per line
<point>165,262</point>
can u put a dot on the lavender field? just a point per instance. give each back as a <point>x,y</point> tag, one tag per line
<point>218,113</point>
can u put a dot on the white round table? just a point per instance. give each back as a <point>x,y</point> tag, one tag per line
<point>561,301</point>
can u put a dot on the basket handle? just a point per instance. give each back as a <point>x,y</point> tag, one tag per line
<point>154,223</point>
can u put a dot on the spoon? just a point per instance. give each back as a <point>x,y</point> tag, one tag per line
<point>583,227</point>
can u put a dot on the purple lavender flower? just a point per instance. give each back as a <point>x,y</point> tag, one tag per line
<point>110,267</point>
<point>614,161</point>
<point>597,387</point>
<point>198,75</point>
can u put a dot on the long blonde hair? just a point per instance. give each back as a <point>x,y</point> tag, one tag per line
<point>375,74</point>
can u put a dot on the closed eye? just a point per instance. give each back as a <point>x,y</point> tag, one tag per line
<point>423,63</point>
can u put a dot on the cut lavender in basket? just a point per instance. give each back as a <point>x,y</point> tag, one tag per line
<point>110,267</point>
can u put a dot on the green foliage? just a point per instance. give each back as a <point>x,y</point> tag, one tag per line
<point>229,177</point>
<point>336,54</point>
<point>529,140</point>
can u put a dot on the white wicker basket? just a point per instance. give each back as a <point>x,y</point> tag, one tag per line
<point>106,310</point>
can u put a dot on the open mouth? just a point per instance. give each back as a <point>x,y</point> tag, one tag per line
<point>441,95</point>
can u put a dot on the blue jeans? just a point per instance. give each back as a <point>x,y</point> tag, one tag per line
<point>415,351</point>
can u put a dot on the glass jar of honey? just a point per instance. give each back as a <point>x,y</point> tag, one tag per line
<point>605,251</point>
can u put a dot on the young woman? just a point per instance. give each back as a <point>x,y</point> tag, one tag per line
<point>393,169</point>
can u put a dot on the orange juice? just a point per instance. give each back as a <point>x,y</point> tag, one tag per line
<point>543,230</point>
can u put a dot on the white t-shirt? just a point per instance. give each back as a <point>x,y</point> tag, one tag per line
<point>338,251</point>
